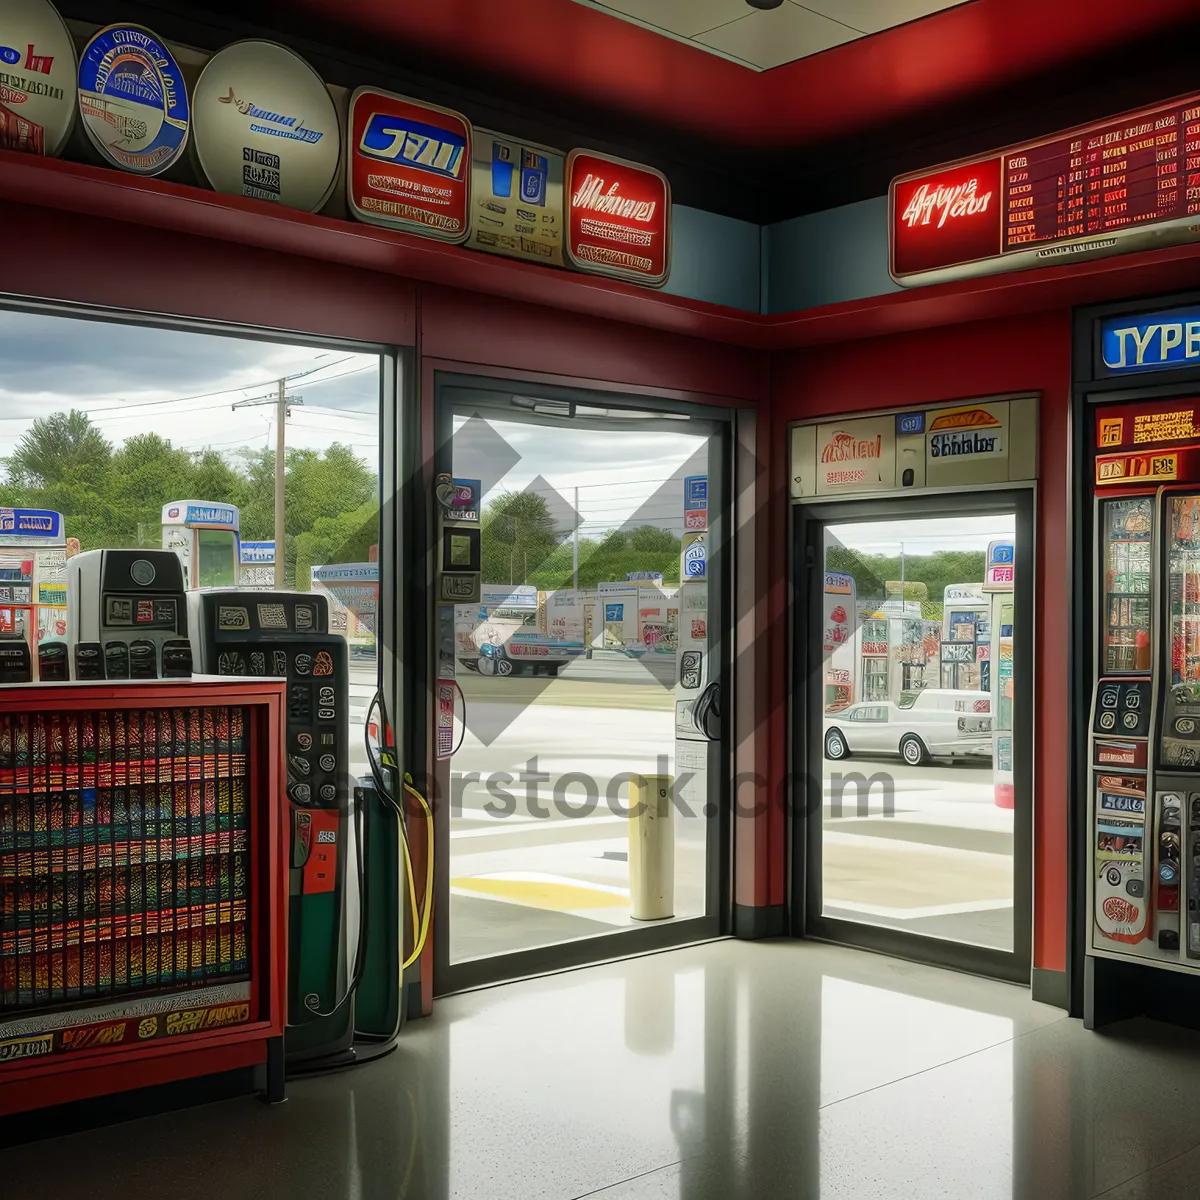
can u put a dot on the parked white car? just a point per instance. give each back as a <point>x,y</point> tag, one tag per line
<point>933,723</point>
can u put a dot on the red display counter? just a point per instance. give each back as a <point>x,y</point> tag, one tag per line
<point>142,898</point>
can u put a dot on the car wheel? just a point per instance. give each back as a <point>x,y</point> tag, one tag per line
<point>912,750</point>
<point>835,745</point>
<point>503,667</point>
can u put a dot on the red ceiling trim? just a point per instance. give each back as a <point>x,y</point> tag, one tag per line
<point>559,47</point>
<point>72,187</point>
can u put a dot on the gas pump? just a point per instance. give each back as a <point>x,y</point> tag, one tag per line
<point>33,596</point>
<point>126,617</point>
<point>204,536</point>
<point>286,635</point>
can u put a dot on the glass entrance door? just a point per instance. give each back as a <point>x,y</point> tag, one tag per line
<point>917,713</point>
<point>596,633</point>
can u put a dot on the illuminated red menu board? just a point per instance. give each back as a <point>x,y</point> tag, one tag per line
<point>1088,192</point>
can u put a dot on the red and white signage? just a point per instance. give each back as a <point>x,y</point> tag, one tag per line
<point>949,216</point>
<point>618,218</point>
<point>409,165</point>
<point>1124,184</point>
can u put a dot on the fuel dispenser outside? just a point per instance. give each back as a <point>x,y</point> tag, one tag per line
<point>33,596</point>
<point>205,537</point>
<point>286,635</point>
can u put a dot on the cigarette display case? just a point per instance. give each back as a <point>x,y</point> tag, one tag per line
<point>142,886</point>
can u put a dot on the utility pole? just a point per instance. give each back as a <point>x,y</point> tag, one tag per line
<point>280,440</point>
<point>282,400</point>
<point>575,546</point>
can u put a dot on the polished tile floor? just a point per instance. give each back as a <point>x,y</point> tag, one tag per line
<point>728,1070</point>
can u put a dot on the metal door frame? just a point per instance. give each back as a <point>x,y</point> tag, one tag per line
<point>807,761</point>
<point>449,977</point>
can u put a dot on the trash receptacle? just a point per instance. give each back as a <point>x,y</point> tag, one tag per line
<point>651,847</point>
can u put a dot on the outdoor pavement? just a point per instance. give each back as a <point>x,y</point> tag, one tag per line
<point>940,864</point>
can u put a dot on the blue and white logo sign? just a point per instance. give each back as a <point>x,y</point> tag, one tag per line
<point>1151,341</point>
<point>614,612</point>
<point>210,514</point>
<point>133,99</point>
<point>998,552</point>
<point>35,524</point>
<point>695,492</point>
<point>256,553</point>
<point>909,423</point>
<point>694,561</point>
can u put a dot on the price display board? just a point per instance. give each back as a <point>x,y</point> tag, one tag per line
<point>1129,183</point>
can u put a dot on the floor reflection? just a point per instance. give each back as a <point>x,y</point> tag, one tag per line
<point>721,1071</point>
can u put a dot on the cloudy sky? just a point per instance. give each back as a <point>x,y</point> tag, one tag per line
<point>624,477</point>
<point>924,536</point>
<point>132,379</point>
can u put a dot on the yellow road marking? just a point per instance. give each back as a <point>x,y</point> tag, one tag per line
<point>556,897</point>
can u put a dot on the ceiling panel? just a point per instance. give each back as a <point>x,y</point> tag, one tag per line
<point>874,16</point>
<point>684,17</point>
<point>776,36</point>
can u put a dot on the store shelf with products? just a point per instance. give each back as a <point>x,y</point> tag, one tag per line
<point>142,885</point>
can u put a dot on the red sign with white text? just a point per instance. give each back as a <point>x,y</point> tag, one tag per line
<point>410,165</point>
<point>948,216</point>
<point>618,218</point>
<point>1127,183</point>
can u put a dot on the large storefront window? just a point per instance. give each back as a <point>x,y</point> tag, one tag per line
<point>165,439</point>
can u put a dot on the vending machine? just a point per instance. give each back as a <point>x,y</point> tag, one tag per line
<point>1144,746</point>
<point>287,635</point>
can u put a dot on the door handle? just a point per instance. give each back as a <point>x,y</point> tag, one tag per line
<point>706,712</point>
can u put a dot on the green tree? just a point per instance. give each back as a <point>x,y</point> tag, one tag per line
<point>517,537</point>
<point>346,538</point>
<point>61,448</point>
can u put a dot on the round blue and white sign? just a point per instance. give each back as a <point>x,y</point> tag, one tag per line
<point>694,562</point>
<point>37,78</point>
<point>133,99</point>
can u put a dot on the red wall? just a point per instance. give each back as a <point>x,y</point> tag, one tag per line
<point>1025,354</point>
<point>480,330</point>
<point>90,260</point>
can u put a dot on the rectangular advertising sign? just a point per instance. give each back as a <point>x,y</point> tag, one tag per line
<point>409,165</point>
<point>618,218</point>
<point>516,198</point>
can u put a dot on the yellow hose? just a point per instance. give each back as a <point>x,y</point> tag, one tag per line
<point>420,927</point>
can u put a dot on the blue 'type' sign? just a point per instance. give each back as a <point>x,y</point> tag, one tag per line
<point>1150,341</point>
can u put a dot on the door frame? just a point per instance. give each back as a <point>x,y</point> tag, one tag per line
<point>449,977</point>
<point>806,751</point>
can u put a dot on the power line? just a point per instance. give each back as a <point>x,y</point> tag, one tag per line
<point>121,407</point>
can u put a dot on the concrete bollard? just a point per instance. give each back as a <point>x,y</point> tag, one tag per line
<point>651,847</point>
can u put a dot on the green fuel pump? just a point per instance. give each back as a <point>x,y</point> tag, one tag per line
<point>372,1007</point>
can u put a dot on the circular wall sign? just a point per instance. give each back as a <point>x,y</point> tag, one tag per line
<point>37,78</point>
<point>133,99</point>
<point>266,127</point>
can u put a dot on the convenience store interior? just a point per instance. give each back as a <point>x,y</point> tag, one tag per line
<point>471,543</point>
